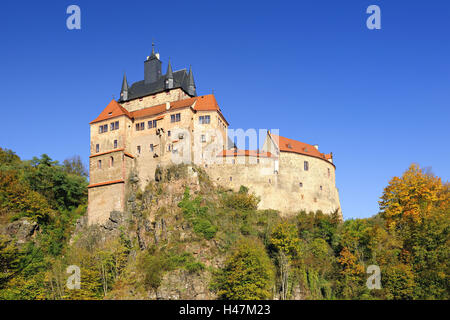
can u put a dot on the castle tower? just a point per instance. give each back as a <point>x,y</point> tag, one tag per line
<point>152,67</point>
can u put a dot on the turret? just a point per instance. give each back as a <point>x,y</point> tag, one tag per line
<point>191,83</point>
<point>124,90</point>
<point>169,77</point>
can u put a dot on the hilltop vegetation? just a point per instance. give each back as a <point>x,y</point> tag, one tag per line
<point>184,237</point>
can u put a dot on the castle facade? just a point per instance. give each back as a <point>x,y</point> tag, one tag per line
<point>160,121</point>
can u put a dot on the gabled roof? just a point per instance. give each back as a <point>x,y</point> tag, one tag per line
<point>112,110</point>
<point>290,145</point>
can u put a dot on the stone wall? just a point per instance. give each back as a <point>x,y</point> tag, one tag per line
<point>103,200</point>
<point>282,191</point>
<point>156,99</point>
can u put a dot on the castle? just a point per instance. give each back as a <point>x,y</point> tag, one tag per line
<point>161,120</point>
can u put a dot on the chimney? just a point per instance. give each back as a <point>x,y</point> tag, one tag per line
<point>316,146</point>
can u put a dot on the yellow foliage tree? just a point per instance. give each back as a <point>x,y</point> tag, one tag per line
<point>411,197</point>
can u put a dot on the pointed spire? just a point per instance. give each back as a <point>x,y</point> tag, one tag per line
<point>169,73</point>
<point>191,83</point>
<point>124,82</point>
<point>124,91</point>
<point>153,55</point>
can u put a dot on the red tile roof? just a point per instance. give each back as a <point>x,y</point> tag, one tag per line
<point>247,153</point>
<point>201,103</point>
<point>106,152</point>
<point>112,110</point>
<point>289,145</point>
<point>105,183</point>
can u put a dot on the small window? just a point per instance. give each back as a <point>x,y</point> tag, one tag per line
<point>114,126</point>
<point>203,138</point>
<point>320,188</point>
<point>306,165</point>
<point>103,128</point>
<point>151,147</point>
<point>301,184</point>
<point>168,133</point>
<point>175,117</point>
<point>115,144</point>
<point>140,126</point>
<point>231,178</point>
<point>112,162</point>
<point>150,124</point>
<point>97,148</point>
<point>329,173</point>
<point>204,119</point>
<point>139,149</point>
<point>168,147</point>
<point>99,164</point>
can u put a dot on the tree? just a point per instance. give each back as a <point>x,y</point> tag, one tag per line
<point>410,198</point>
<point>248,273</point>
<point>75,166</point>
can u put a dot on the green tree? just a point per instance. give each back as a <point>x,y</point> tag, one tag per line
<point>248,273</point>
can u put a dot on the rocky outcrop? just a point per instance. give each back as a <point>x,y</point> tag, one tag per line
<point>23,230</point>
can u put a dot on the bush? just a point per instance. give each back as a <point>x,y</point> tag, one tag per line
<point>198,215</point>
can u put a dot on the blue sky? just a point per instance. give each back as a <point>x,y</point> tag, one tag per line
<point>378,99</point>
